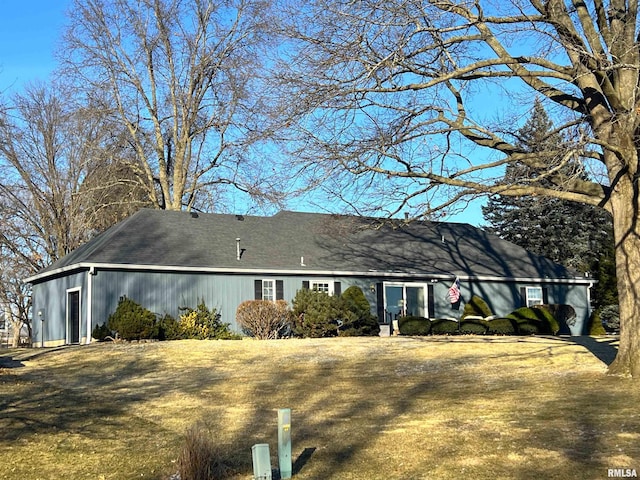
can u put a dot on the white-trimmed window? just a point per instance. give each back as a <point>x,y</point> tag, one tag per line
<point>534,296</point>
<point>330,287</point>
<point>325,286</point>
<point>269,290</point>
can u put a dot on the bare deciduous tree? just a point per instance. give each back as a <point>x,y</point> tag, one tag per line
<point>181,78</point>
<point>400,97</point>
<point>55,179</point>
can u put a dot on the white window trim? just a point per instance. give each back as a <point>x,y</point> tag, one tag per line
<point>530,299</point>
<point>322,280</point>
<point>273,289</point>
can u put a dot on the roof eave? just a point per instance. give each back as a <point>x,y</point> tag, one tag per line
<point>304,271</point>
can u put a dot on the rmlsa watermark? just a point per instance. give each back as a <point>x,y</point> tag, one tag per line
<point>622,473</point>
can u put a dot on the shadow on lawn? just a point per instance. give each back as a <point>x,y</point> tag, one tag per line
<point>10,362</point>
<point>343,405</point>
<point>33,404</point>
<point>604,350</point>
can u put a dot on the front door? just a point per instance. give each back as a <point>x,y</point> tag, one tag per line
<point>73,316</point>
<point>404,299</point>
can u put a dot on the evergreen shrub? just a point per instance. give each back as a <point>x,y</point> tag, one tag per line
<point>316,314</point>
<point>203,323</point>
<point>168,328</point>
<point>364,323</point>
<point>101,332</point>
<point>610,316</point>
<point>476,306</point>
<point>501,326</point>
<point>530,328</point>
<point>412,325</point>
<point>131,321</point>
<point>263,319</point>
<point>473,327</point>
<point>546,323</point>
<point>596,328</point>
<point>444,326</point>
<point>564,314</point>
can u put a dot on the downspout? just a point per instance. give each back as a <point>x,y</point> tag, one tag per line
<point>591,285</point>
<point>90,275</point>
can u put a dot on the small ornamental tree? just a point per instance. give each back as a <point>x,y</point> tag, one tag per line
<point>263,319</point>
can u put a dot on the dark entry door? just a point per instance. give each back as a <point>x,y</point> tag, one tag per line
<point>73,313</point>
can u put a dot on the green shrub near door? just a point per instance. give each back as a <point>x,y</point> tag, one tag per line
<point>412,325</point>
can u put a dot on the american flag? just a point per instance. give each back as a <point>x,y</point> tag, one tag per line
<point>454,291</point>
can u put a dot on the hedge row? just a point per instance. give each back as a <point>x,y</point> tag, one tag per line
<point>524,321</point>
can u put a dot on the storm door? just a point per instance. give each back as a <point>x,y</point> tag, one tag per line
<point>73,316</point>
<point>402,299</point>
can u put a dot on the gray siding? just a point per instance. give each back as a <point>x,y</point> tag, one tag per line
<point>503,298</point>
<point>168,292</point>
<point>50,298</point>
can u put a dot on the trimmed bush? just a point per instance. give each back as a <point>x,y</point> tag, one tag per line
<point>364,323</point>
<point>356,301</point>
<point>263,319</point>
<point>317,314</point>
<point>501,326</point>
<point>564,314</point>
<point>100,332</point>
<point>203,324</point>
<point>476,306</point>
<point>473,327</point>
<point>595,325</point>
<point>444,326</point>
<point>411,325</point>
<point>546,323</point>
<point>131,321</point>
<point>530,328</point>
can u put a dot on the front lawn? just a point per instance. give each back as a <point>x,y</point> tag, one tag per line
<point>362,408</point>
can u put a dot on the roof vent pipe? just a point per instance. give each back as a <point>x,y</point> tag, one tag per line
<point>238,252</point>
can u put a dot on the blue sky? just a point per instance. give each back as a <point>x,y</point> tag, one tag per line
<point>29,32</point>
<point>29,36</point>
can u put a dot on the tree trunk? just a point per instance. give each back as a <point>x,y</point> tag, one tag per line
<point>16,327</point>
<point>625,202</point>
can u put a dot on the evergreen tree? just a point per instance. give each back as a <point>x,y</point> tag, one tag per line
<point>573,234</point>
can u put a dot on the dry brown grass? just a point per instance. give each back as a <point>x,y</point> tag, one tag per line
<point>362,408</point>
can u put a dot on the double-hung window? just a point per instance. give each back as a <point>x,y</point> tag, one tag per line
<point>534,296</point>
<point>269,289</point>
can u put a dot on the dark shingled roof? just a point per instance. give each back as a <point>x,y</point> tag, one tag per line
<point>329,243</point>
